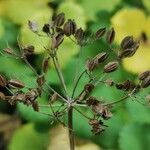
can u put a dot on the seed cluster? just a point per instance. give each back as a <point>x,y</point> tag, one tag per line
<point>56,30</point>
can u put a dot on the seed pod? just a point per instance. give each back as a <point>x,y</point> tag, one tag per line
<point>35,106</point>
<point>144,75</point>
<point>40,80</point>
<point>59,20</point>
<point>88,88</point>
<point>2,96</point>
<point>99,33</point>
<point>28,50</point>
<point>69,27</point>
<point>3,81</point>
<point>79,35</point>
<point>46,28</point>
<point>127,53</point>
<point>90,64</point>
<point>45,65</point>
<point>101,57</point>
<point>127,42</point>
<point>110,36</point>
<point>9,51</point>
<point>14,83</point>
<point>31,95</point>
<point>146,82</point>
<point>111,66</point>
<point>57,40</point>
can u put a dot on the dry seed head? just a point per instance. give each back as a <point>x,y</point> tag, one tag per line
<point>99,33</point>
<point>110,36</point>
<point>17,84</point>
<point>35,106</point>
<point>59,20</point>
<point>69,27</point>
<point>3,81</point>
<point>144,75</point>
<point>111,66</point>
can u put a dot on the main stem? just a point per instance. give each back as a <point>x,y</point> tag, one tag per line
<point>70,128</point>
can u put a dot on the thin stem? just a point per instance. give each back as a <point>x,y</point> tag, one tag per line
<point>76,84</point>
<point>70,128</point>
<point>120,100</point>
<point>57,67</point>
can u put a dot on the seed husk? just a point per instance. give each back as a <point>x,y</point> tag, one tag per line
<point>14,83</point>
<point>69,27</point>
<point>99,33</point>
<point>111,66</point>
<point>110,36</point>
<point>3,81</point>
<point>90,64</point>
<point>59,20</point>
<point>144,75</point>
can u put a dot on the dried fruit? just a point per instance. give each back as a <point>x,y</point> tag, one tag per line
<point>100,33</point>
<point>40,80</point>
<point>101,57</point>
<point>3,81</point>
<point>146,82</point>
<point>88,88</point>
<point>14,83</point>
<point>57,40</point>
<point>28,50</point>
<point>90,64</point>
<point>111,66</point>
<point>127,42</point>
<point>53,98</point>
<point>69,27</point>
<point>46,28</point>
<point>79,35</point>
<point>45,64</point>
<point>110,36</point>
<point>144,75</point>
<point>59,20</point>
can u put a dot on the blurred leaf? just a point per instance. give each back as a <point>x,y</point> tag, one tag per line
<point>134,107</point>
<point>28,138</point>
<point>135,137</point>
<point>146,4</point>
<point>93,7</point>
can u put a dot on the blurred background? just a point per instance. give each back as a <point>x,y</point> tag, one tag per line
<point>20,127</point>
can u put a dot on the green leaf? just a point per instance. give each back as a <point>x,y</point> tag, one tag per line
<point>27,138</point>
<point>135,137</point>
<point>138,112</point>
